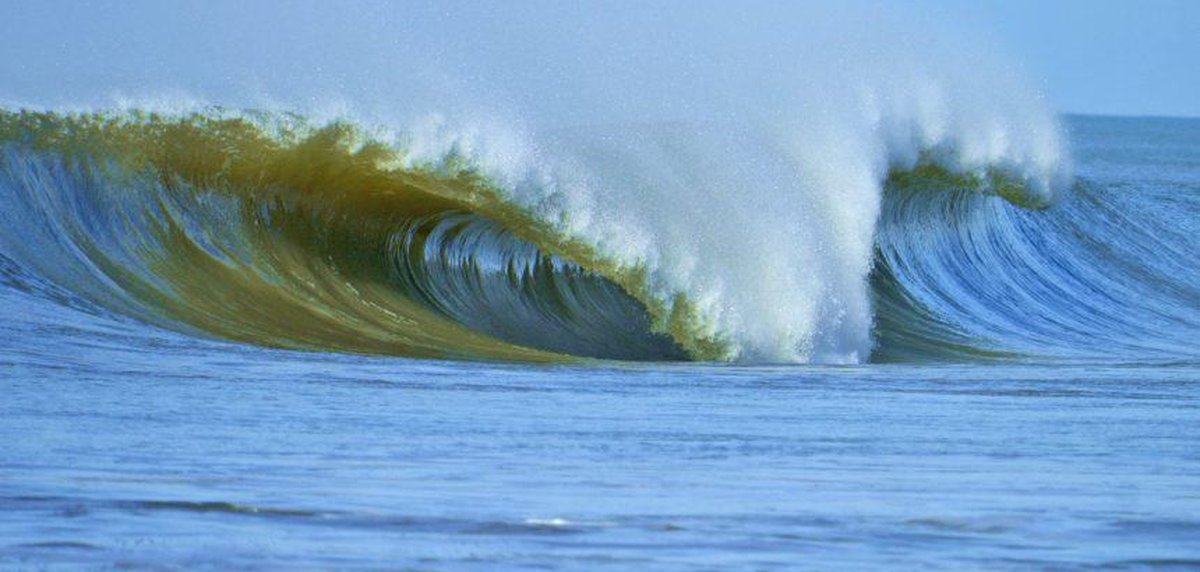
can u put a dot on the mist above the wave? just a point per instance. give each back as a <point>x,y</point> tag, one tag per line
<point>737,152</point>
<point>541,61</point>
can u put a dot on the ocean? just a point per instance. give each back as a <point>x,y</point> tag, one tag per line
<point>235,342</point>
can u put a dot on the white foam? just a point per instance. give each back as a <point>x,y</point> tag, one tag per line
<point>767,226</point>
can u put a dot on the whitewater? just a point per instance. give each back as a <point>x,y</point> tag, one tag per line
<point>749,241</point>
<point>367,288</point>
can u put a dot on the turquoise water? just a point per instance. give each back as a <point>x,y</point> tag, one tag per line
<point>1063,436</point>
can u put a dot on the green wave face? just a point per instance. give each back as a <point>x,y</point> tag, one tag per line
<point>278,234</point>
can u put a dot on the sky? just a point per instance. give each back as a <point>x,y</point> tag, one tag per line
<point>1084,56</point>
<point>1116,57</point>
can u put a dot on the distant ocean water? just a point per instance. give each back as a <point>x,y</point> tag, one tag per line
<point>218,328</point>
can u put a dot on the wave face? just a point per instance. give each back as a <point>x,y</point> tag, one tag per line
<point>1109,272</point>
<point>212,226</point>
<point>263,229</point>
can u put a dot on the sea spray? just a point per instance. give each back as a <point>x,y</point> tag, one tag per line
<point>729,178</point>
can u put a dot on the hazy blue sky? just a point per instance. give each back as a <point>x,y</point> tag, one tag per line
<point>1090,56</point>
<point>1098,56</point>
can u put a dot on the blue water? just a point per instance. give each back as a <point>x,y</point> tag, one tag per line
<point>131,447</point>
<point>205,456</point>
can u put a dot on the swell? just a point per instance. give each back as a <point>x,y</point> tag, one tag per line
<point>264,230</point>
<point>1106,274</point>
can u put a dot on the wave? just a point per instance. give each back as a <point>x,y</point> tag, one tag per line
<point>261,228</point>
<point>1106,273</point>
<point>300,239</point>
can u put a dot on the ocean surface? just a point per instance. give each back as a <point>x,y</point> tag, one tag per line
<point>231,341</point>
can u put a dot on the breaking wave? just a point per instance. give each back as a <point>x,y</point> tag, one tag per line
<point>659,242</point>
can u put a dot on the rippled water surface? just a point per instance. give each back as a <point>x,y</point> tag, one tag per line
<point>156,451</point>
